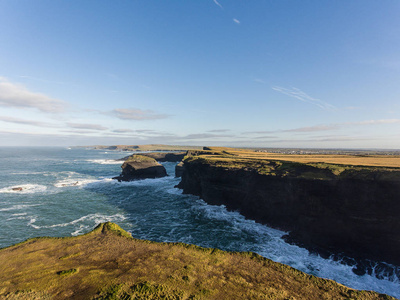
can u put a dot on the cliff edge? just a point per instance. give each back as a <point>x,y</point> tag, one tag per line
<point>329,208</point>
<point>108,263</point>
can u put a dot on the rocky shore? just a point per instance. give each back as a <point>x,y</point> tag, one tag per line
<point>328,208</point>
<point>108,263</point>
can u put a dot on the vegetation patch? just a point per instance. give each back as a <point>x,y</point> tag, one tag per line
<point>67,272</point>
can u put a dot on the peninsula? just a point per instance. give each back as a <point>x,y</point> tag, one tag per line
<point>108,263</point>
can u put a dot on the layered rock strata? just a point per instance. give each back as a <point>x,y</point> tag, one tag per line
<point>333,208</point>
<point>161,156</point>
<point>141,167</point>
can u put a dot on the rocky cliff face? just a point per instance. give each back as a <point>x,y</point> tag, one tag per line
<point>339,209</point>
<point>160,156</point>
<point>141,167</point>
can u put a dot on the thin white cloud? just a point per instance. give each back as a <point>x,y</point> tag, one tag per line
<point>314,128</point>
<point>236,21</point>
<point>302,96</point>
<point>217,3</point>
<point>87,126</point>
<point>327,127</point>
<point>200,136</point>
<point>17,96</point>
<point>375,122</point>
<point>219,130</point>
<point>26,122</point>
<point>136,114</point>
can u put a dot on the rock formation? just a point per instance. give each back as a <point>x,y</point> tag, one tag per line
<point>161,156</point>
<point>179,169</point>
<point>141,167</point>
<point>333,208</point>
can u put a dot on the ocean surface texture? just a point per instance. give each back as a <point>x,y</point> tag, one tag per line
<point>69,191</point>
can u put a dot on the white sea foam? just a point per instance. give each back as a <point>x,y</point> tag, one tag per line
<point>17,207</point>
<point>74,182</point>
<point>105,161</point>
<point>269,244</point>
<point>92,218</point>
<point>24,189</point>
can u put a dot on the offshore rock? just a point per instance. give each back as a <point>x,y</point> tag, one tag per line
<point>161,156</point>
<point>332,209</point>
<point>141,167</point>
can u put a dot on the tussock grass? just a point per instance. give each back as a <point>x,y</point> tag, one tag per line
<point>113,265</point>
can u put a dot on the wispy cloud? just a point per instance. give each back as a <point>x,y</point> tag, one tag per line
<point>26,122</point>
<point>219,130</point>
<point>236,21</point>
<point>17,96</point>
<point>87,126</point>
<point>136,114</point>
<point>123,130</point>
<point>302,96</point>
<point>376,122</point>
<point>201,136</point>
<point>314,128</point>
<point>217,3</point>
<point>328,127</point>
<point>260,132</point>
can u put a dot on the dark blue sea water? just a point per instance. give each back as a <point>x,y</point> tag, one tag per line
<point>69,191</point>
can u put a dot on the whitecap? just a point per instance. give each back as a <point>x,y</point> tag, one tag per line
<point>105,161</point>
<point>93,218</point>
<point>74,182</point>
<point>18,207</point>
<point>24,189</point>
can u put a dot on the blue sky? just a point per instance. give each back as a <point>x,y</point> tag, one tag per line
<point>318,73</point>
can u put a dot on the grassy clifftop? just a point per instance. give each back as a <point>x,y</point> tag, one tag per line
<point>108,263</point>
<point>301,166</point>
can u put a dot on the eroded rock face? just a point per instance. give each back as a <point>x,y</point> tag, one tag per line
<point>161,156</point>
<point>141,167</point>
<point>179,169</point>
<point>356,213</point>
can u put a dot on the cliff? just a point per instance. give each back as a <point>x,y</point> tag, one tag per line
<point>140,167</point>
<point>161,156</point>
<point>108,263</point>
<point>329,208</point>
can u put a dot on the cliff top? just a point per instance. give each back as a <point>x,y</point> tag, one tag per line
<point>391,161</point>
<point>108,263</point>
<point>140,159</point>
<point>302,166</point>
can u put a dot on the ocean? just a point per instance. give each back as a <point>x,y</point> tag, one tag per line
<point>67,192</point>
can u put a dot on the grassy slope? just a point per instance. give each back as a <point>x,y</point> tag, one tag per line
<point>108,264</point>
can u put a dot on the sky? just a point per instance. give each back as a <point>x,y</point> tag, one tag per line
<point>271,73</point>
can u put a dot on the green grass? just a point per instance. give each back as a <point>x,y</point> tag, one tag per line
<point>112,265</point>
<point>286,168</point>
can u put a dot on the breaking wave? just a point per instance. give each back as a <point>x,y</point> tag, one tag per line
<point>24,189</point>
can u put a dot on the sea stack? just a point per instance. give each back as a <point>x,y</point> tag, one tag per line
<point>141,167</point>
